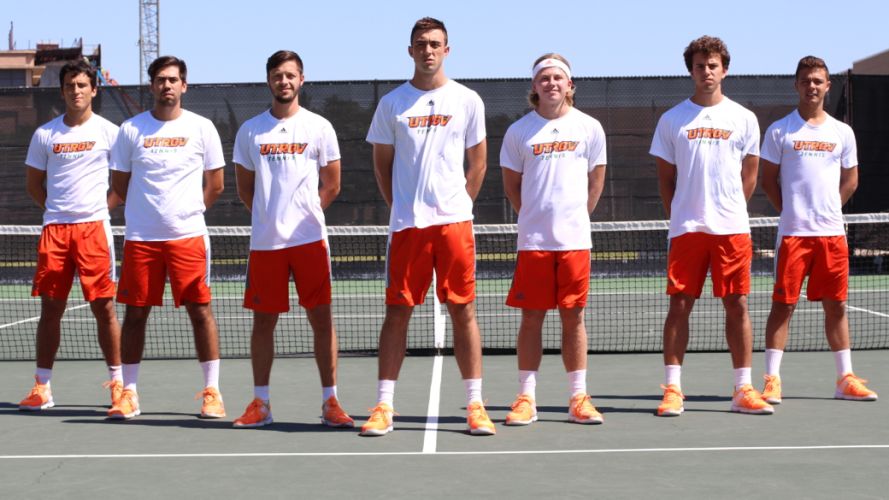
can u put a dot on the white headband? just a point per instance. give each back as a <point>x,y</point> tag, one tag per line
<point>550,63</point>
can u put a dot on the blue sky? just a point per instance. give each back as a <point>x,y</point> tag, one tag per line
<point>228,41</point>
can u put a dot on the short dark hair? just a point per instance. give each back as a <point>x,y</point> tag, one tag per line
<point>706,45</point>
<point>164,61</point>
<point>811,62</point>
<point>426,24</point>
<point>281,57</point>
<point>77,68</point>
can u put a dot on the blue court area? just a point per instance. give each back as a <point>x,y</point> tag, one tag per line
<point>812,447</point>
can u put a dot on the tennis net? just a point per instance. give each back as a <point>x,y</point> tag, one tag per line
<point>625,313</point>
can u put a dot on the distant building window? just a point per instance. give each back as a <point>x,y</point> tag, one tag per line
<point>12,77</point>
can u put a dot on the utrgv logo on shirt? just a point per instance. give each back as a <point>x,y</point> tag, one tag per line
<point>296,148</point>
<point>554,147</point>
<point>428,121</point>
<point>708,133</point>
<point>814,146</point>
<point>73,147</point>
<point>164,142</point>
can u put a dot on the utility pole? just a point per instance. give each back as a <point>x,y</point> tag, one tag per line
<point>149,36</point>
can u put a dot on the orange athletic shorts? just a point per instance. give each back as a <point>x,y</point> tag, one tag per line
<point>550,279</point>
<point>413,253</point>
<point>728,256</point>
<point>825,259</point>
<point>146,264</point>
<point>86,248</point>
<point>268,277</point>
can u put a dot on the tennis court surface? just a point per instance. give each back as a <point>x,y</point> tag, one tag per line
<point>812,447</point>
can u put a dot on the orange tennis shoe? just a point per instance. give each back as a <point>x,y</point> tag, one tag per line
<point>772,390</point>
<point>671,405</point>
<point>380,421</point>
<point>748,400</point>
<point>40,398</point>
<point>257,414</point>
<point>116,388</point>
<point>523,411</point>
<point>127,406</point>
<point>333,415</point>
<point>851,387</point>
<point>212,406</point>
<point>582,411</point>
<point>477,420</point>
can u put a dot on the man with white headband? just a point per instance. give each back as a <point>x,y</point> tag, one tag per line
<point>553,164</point>
<point>707,154</point>
<point>420,133</point>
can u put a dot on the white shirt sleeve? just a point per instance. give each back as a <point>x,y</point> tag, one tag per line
<point>850,149</point>
<point>475,121</point>
<point>111,133</point>
<point>597,147</point>
<point>382,127</point>
<point>241,150</point>
<point>662,144</point>
<point>37,156</point>
<point>213,156</point>
<point>329,149</point>
<point>771,144</point>
<point>511,151</point>
<point>751,144</point>
<point>122,151</point>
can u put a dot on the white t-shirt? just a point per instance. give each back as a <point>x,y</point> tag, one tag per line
<point>286,155</point>
<point>810,157</point>
<point>707,146</point>
<point>75,160</point>
<point>431,131</point>
<point>555,158</point>
<point>166,160</point>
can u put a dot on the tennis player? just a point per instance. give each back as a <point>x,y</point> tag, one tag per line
<point>279,157</point>
<point>809,171</point>
<point>67,176</point>
<point>159,163</point>
<point>707,154</point>
<point>420,133</point>
<point>553,165</point>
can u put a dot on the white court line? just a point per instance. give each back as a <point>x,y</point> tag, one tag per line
<point>431,435</point>
<point>604,451</point>
<point>861,309</point>
<point>35,318</point>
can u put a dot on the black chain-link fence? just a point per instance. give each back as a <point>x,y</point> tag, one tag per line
<point>627,107</point>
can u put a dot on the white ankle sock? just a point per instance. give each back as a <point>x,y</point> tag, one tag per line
<point>743,377</point>
<point>130,376</point>
<point>843,361</point>
<point>773,361</point>
<point>43,375</point>
<point>211,373</point>
<point>261,392</point>
<point>577,382</point>
<point>386,392</point>
<point>673,375</point>
<point>473,390</point>
<point>528,383</point>
<point>115,373</point>
<point>327,393</point>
